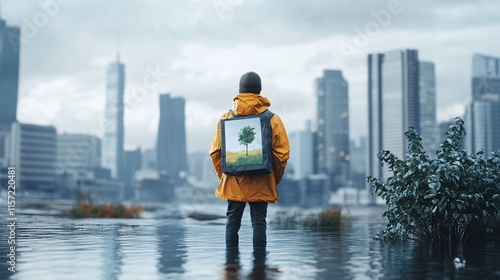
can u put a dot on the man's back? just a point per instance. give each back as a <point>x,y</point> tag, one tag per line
<point>257,190</point>
<point>255,187</point>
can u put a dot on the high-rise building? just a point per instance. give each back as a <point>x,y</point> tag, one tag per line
<point>132,165</point>
<point>171,143</point>
<point>196,163</point>
<point>4,158</point>
<point>427,95</point>
<point>301,144</point>
<point>148,160</point>
<point>393,105</point>
<point>358,163</point>
<point>482,115</point>
<point>77,151</point>
<point>482,122</point>
<point>485,76</point>
<point>332,134</point>
<point>9,74</point>
<point>4,149</point>
<point>112,143</point>
<point>33,153</point>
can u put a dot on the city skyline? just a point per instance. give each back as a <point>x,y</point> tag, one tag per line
<point>204,69</point>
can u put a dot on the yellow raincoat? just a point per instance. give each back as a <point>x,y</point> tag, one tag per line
<point>252,188</point>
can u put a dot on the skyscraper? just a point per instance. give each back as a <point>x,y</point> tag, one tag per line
<point>332,135</point>
<point>393,104</point>
<point>33,151</point>
<point>483,114</point>
<point>301,142</point>
<point>485,76</point>
<point>482,121</point>
<point>358,163</point>
<point>78,151</point>
<point>427,96</point>
<point>9,74</point>
<point>112,143</point>
<point>132,165</point>
<point>171,143</point>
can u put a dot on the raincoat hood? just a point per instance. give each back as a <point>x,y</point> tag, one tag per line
<point>245,104</point>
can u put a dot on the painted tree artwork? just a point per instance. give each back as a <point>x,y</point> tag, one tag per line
<point>243,142</point>
<point>246,136</point>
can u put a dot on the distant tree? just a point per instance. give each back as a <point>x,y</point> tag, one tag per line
<point>246,136</point>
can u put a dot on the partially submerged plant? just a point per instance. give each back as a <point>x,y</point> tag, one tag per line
<point>106,210</point>
<point>327,218</point>
<point>452,197</point>
<point>330,217</point>
<point>85,208</point>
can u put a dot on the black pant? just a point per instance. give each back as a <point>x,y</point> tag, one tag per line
<point>258,213</point>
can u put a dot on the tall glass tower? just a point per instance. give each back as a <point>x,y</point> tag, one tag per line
<point>483,114</point>
<point>485,76</point>
<point>171,151</point>
<point>332,135</point>
<point>112,143</point>
<point>9,74</point>
<point>393,104</point>
<point>483,126</point>
<point>427,95</point>
<point>302,144</point>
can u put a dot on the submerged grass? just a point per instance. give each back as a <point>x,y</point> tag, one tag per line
<point>106,210</point>
<point>85,208</point>
<point>327,218</point>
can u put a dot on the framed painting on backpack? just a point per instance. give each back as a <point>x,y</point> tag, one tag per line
<point>247,144</point>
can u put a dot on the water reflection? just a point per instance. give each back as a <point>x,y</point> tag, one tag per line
<point>437,260</point>
<point>260,270</point>
<point>172,249</point>
<point>232,265</point>
<point>348,251</point>
<point>111,255</point>
<point>331,253</point>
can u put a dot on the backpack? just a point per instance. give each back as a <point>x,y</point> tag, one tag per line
<point>247,144</point>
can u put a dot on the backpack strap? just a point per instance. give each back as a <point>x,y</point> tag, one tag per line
<point>268,113</point>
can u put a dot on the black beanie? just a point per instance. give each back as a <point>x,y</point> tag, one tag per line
<point>250,83</point>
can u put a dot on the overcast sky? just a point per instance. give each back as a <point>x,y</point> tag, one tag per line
<point>200,48</point>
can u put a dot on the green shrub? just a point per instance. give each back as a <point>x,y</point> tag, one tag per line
<point>451,197</point>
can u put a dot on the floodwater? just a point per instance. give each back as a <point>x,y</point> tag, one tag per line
<point>166,245</point>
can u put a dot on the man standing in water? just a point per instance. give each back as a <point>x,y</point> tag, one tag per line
<point>257,190</point>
